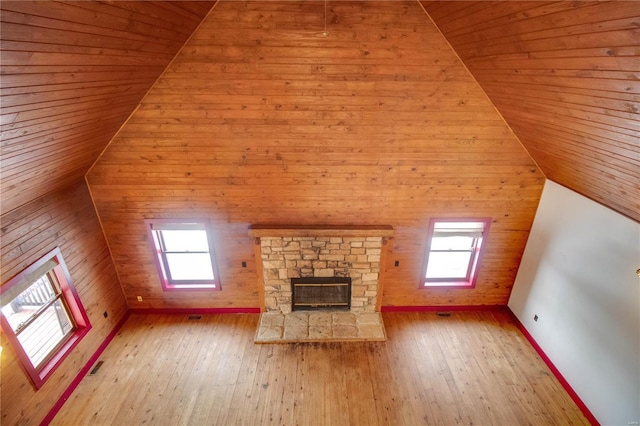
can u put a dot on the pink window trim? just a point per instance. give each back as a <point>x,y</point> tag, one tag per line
<point>40,375</point>
<point>479,250</point>
<point>160,267</point>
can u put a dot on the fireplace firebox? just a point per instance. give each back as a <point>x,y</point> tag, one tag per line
<point>317,293</point>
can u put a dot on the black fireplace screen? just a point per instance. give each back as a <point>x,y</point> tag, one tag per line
<point>311,293</point>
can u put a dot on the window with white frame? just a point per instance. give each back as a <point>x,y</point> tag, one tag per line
<point>184,254</point>
<point>454,247</point>
<point>42,316</point>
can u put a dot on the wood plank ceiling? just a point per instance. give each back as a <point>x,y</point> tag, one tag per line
<point>565,75</point>
<point>72,72</point>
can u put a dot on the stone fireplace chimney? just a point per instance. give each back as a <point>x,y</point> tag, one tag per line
<point>295,252</point>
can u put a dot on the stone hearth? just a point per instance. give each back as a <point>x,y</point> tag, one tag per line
<point>319,326</point>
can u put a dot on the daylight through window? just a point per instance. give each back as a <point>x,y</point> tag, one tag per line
<point>184,255</point>
<point>42,316</point>
<point>454,248</point>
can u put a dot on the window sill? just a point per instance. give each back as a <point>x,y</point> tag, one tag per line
<point>448,284</point>
<point>41,375</point>
<point>190,287</point>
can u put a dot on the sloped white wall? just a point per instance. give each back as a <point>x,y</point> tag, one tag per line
<point>578,274</point>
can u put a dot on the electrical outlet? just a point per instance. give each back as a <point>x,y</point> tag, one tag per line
<point>397,263</point>
<point>535,318</point>
<point>105,314</point>
<point>139,298</point>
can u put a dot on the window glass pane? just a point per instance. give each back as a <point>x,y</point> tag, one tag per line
<point>190,266</point>
<point>448,265</point>
<point>185,240</point>
<point>27,303</point>
<point>452,243</point>
<point>41,337</point>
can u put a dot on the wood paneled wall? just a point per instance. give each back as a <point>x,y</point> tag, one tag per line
<point>64,219</point>
<point>263,119</point>
<point>72,72</point>
<point>566,77</point>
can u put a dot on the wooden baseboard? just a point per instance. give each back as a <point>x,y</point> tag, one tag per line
<point>565,384</point>
<point>441,308</point>
<point>200,311</point>
<point>83,372</point>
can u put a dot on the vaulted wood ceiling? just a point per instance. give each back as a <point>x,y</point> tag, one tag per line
<point>564,75</point>
<point>72,72</point>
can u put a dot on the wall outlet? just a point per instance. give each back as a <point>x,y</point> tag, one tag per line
<point>105,314</point>
<point>535,317</point>
<point>139,298</point>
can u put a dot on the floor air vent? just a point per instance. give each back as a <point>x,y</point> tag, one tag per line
<point>95,369</point>
<point>444,314</point>
<point>195,317</point>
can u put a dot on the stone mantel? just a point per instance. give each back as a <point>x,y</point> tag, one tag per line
<point>284,252</point>
<point>321,231</point>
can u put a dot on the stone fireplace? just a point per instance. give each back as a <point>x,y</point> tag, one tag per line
<point>288,253</point>
<point>295,252</point>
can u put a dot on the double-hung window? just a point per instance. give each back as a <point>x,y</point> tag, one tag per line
<point>42,316</point>
<point>184,254</point>
<point>454,247</point>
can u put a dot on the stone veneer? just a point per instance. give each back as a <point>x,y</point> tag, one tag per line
<point>284,258</point>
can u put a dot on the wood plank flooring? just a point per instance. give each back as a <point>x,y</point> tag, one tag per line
<point>469,368</point>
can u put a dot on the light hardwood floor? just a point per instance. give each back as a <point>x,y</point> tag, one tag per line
<point>469,368</point>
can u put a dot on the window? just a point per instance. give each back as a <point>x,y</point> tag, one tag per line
<point>184,255</point>
<point>42,316</point>
<point>454,247</point>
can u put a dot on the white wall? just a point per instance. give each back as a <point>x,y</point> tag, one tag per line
<point>578,274</point>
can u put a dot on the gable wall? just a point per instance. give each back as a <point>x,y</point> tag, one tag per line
<point>263,119</point>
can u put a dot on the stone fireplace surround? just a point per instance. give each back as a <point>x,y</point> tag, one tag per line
<point>292,252</point>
